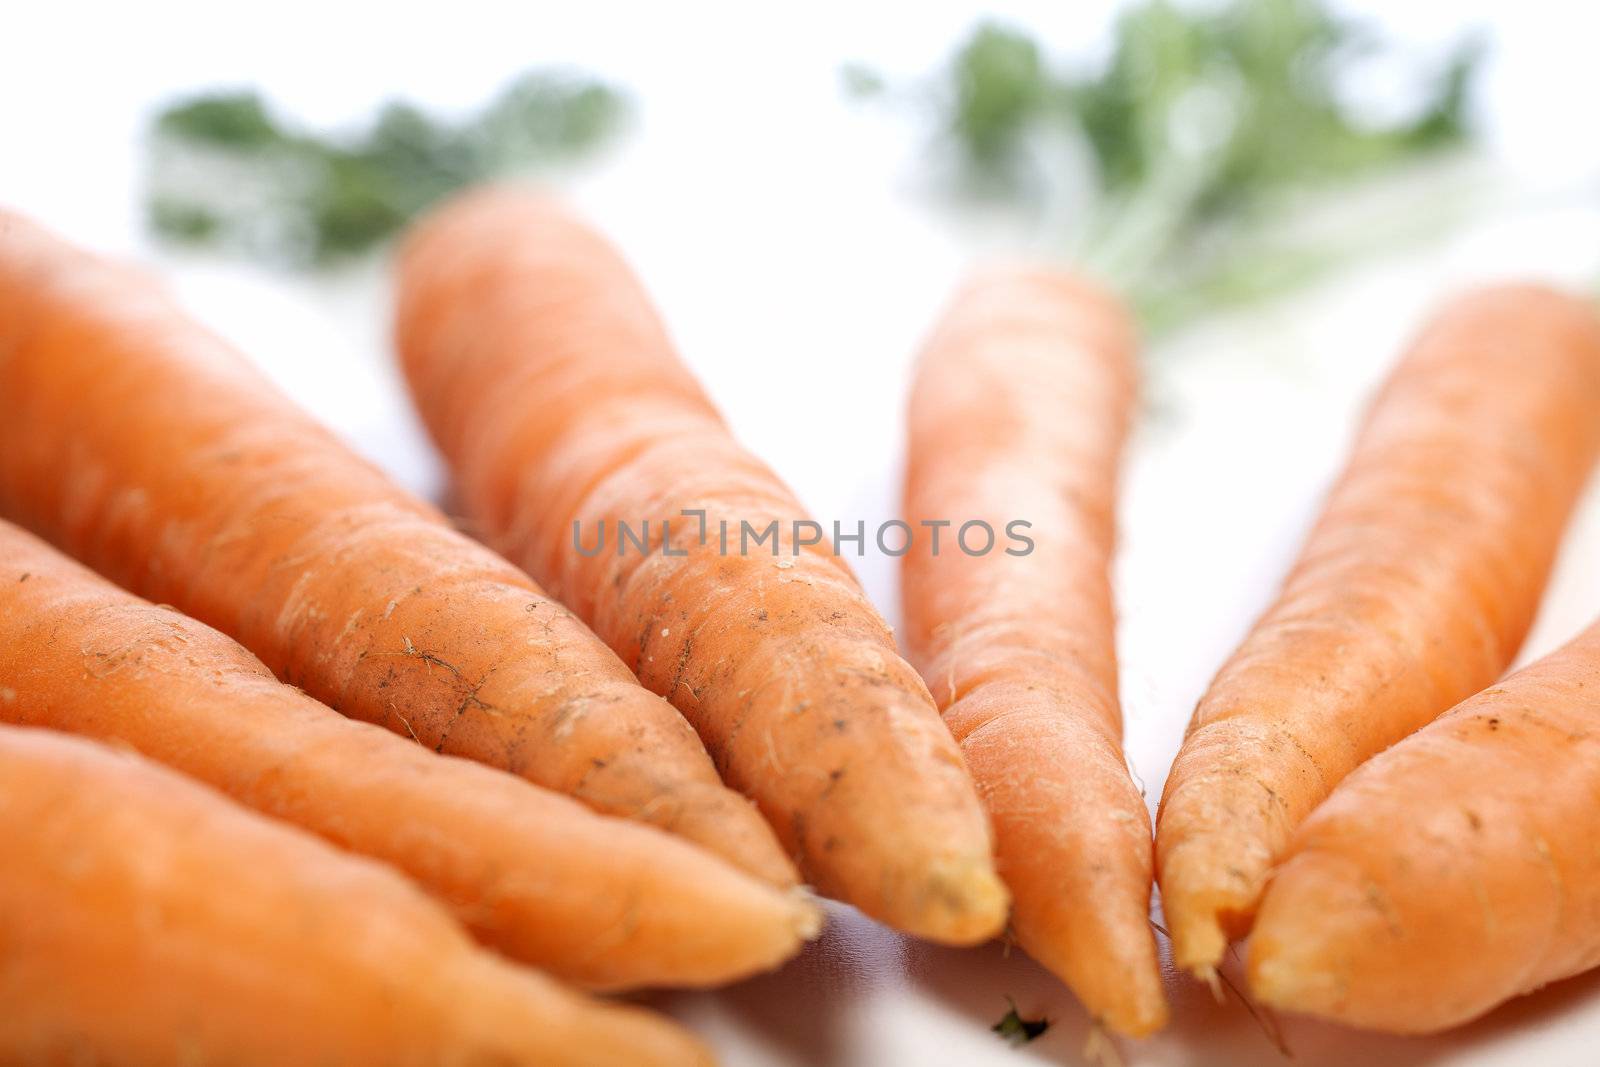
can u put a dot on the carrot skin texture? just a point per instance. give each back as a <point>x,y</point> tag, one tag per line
<point>141,443</point>
<point>1452,872</point>
<point>147,920</point>
<point>1414,591</point>
<point>1019,409</point>
<point>600,901</point>
<point>549,383</point>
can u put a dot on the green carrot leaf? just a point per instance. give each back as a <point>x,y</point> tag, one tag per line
<point>226,172</point>
<point>1200,128</point>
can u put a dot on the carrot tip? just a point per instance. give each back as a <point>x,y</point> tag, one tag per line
<point>970,901</point>
<point>1287,984</point>
<point>1267,983</point>
<point>1198,942</point>
<point>1100,1049</point>
<point>1146,1014</point>
<point>809,918</point>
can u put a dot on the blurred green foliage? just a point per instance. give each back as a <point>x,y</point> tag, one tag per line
<point>1197,122</point>
<point>226,172</point>
<point>1275,63</point>
<point>861,82</point>
<point>1000,84</point>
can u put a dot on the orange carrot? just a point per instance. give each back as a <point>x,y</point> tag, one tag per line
<point>1452,872</point>
<point>142,444</point>
<point>146,920</point>
<point>1020,405</point>
<point>1413,592</point>
<point>547,379</point>
<point>593,899</point>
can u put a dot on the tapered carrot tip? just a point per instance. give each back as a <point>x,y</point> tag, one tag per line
<point>1111,965</point>
<point>753,928</point>
<point>1139,1007</point>
<point>721,821</point>
<point>663,777</point>
<point>1284,983</point>
<point>529,1019</point>
<point>1148,1015</point>
<point>1208,895</point>
<point>759,939</point>
<point>807,913</point>
<point>1116,974</point>
<point>1214,853</point>
<point>1317,926</point>
<point>634,1036</point>
<point>644,1040</point>
<point>1198,942</point>
<point>960,902</point>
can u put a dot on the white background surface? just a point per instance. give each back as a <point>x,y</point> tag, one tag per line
<point>788,242</point>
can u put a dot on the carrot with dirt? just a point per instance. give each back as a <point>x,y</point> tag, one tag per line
<point>1413,591</point>
<point>146,919</point>
<point>1452,872</point>
<point>1020,405</point>
<point>550,384</point>
<point>141,443</point>
<point>601,901</point>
